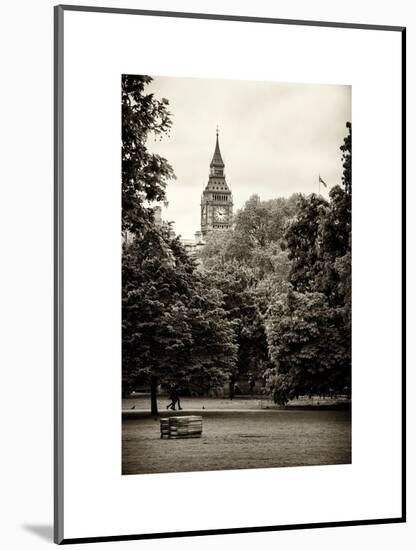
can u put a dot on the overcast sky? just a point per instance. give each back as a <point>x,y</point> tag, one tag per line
<point>275,139</point>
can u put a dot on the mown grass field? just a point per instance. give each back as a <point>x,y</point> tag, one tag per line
<point>243,439</point>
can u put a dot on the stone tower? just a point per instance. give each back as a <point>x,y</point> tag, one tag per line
<point>217,199</point>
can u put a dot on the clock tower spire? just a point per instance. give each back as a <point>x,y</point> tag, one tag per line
<point>217,199</point>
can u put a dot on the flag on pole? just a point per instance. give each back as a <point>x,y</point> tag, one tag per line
<point>322,181</point>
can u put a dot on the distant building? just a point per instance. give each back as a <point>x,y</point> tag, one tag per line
<point>216,204</point>
<point>157,213</point>
<point>217,199</point>
<point>127,237</point>
<point>193,246</point>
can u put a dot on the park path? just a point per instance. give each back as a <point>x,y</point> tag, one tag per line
<point>139,404</point>
<point>142,402</point>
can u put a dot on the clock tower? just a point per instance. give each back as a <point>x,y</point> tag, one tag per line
<point>217,199</point>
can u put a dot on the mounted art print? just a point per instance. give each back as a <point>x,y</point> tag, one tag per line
<point>229,274</point>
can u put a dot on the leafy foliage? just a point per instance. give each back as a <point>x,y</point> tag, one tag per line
<point>309,330</point>
<point>256,238</point>
<point>346,149</point>
<point>302,240</point>
<point>144,175</point>
<point>174,329</point>
<point>236,283</point>
<point>271,300</point>
<point>307,343</point>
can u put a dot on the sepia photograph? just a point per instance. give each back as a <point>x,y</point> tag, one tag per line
<point>236,254</point>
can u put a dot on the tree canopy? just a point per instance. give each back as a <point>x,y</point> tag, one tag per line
<point>270,299</point>
<point>145,175</point>
<point>174,327</point>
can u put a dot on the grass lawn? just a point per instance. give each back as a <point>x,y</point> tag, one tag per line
<point>260,439</point>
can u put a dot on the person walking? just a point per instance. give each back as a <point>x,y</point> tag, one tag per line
<point>174,398</point>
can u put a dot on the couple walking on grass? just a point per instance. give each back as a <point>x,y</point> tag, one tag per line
<point>174,398</point>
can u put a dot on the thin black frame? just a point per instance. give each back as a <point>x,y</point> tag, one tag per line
<point>59,258</point>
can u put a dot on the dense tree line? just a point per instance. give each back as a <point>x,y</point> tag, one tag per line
<point>292,259</point>
<point>174,327</point>
<point>270,299</point>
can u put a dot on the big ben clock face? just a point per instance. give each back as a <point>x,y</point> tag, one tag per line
<point>220,214</point>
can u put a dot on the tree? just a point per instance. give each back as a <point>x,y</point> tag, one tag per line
<point>213,355</point>
<point>256,240</point>
<point>236,283</point>
<point>306,341</point>
<point>252,221</point>
<point>144,174</point>
<point>154,328</point>
<point>174,330</point>
<point>144,179</point>
<point>217,248</point>
<point>320,233</point>
<point>318,241</point>
<point>302,240</point>
<point>346,149</point>
<point>249,266</point>
<point>263,222</point>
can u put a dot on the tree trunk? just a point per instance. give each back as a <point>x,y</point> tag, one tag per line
<point>153,396</point>
<point>231,391</point>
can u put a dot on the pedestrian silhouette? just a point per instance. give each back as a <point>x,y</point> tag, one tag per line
<point>174,398</point>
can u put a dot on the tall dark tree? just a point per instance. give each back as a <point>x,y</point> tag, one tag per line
<point>346,149</point>
<point>308,346</point>
<point>144,174</point>
<point>302,240</point>
<point>321,233</point>
<point>174,330</point>
<point>144,179</point>
<point>237,283</point>
<point>309,330</point>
